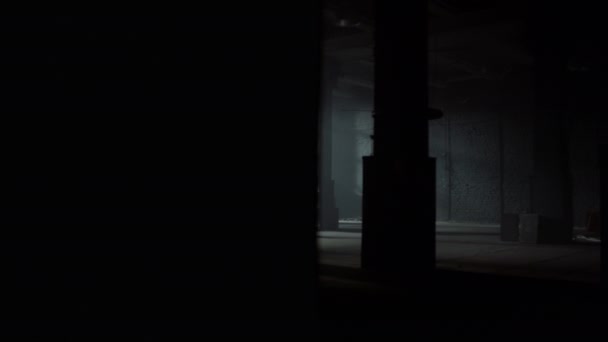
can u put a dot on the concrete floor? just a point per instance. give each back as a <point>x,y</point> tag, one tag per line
<point>480,250</point>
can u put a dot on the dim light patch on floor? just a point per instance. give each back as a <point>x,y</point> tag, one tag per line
<point>483,253</point>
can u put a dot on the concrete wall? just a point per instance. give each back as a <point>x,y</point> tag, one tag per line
<point>484,151</point>
<point>483,146</point>
<point>481,150</point>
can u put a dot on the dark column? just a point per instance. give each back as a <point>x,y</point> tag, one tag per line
<point>604,207</point>
<point>551,181</point>
<point>399,191</point>
<point>328,210</point>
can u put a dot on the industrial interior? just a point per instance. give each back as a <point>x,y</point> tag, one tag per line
<point>428,169</point>
<point>515,142</point>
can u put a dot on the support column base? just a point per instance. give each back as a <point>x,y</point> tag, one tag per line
<point>398,215</point>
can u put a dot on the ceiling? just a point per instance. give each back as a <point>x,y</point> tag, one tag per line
<point>468,39</point>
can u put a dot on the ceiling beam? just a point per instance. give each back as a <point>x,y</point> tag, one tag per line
<point>477,35</point>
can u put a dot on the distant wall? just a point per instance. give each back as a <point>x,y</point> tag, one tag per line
<point>483,147</point>
<point>484,151</point>
<point>352,129</point>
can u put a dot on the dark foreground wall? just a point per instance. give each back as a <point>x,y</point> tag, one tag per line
<point>159,171</point>
<point>604,203</point>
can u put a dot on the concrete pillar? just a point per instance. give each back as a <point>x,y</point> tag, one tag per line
<point>604,207</point>
<point>398,185</point>
<point>551,180</point>
<point>328,210</point>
